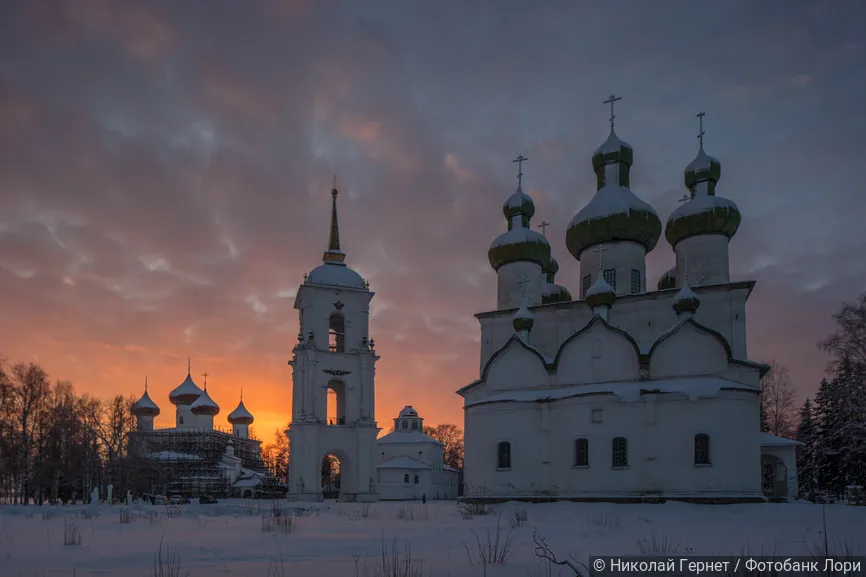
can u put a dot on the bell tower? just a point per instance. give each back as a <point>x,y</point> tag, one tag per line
<point>333,395</point>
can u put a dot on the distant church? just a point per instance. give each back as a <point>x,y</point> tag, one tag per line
<point>627,393</point>
<point>333,400</point>
<point>194,458</point>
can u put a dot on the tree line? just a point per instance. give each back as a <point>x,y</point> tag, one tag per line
<point>831,425</point>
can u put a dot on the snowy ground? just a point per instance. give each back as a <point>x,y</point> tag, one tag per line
<point>346,540</point>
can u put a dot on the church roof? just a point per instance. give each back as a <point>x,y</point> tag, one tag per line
<point>336,274</point>
<point>240,416</point>
<point>204,405</point>
<point>772,440</point>
<point>145,406</point>
<point>408,411</point>
<point>186,392</point>
<point>407,437</point>
<point>403,463</point>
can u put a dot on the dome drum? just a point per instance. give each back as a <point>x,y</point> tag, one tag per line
<point>613,150</point>
<point>640,226</point>
<point>720,217</point>
<point>622,176</point>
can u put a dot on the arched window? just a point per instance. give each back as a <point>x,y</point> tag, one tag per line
<point>702,449</point>
<point>406,478</point>
<point>336,333</point>
<point>581,453</point>
<point>416,479</point>
<point>619,452</point>
<point>503,455</point>
<point>414,423</point>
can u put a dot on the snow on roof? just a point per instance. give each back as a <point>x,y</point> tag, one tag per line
<point>611,199</point>
<point>408,411</point>
<point>336,274</point>
<point>518,235</point>
<point>702,161</point>
<point>407,437</point>
<point>696,388</point>
<point>686,299</point>
<point>447,468</point>
<point>772,440</point>
<point>173,456</point>
<point>613,144</point>
<point>402,463</point>
<point>240,416</point>
<point>185,391</point>
<point>600,286</point>
<point>145,405</point>
<point>700,204</point>
<point>204,404</point>
<point>247,483</point>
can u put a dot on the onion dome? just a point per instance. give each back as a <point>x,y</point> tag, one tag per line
<point>686,300</point>
<point>408,411</point>
<point>523,319</point>
<point>333,271</point>
<point>705,213</point>
<point>204,405</point>
<point>614,213</point>
<point>668,279</point>
<point>185,393</point>
<point>600,293</point>
<point>240,416</point>
<point>145,407</point>
<point>550,291</point>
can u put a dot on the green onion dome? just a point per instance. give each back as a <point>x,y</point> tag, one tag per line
<point>519,243</point>
<point>550,291</point>
<point>600,293</point>
<point>614,213</point>
<point>686,300</point>
<point>523,319</point>
<point>668,280</point>
<point>705,213</point>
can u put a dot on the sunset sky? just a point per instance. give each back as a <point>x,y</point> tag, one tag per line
<point>165,171</point>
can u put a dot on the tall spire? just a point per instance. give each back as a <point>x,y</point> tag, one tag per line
<point>333,254</point>
<point>145,383</point>
<point>189,366</point>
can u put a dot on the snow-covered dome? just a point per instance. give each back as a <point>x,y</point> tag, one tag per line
<point>185,393</point>
<point>408,411</point>
<point>519,203</point>
<point>523,319</point>
<point>614,213</point>
<point>240,416</point>
<point>145,407</point>
<point>669,279</point>
<point>686,300</point>
<point>600,293</point>
<point>336,274</point>
<point>519,243</point>
<point>550,291</point>
<point>204,405</point>
<point>705,213</point>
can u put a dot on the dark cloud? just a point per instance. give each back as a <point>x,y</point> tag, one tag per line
<point>165,167</point>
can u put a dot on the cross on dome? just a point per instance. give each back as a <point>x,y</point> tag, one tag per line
<point>600,250</point>
<point>611,101</point>
<point>543,226</point>
<point>523,282</point>
<point>701,129</point>
<point>519,160</point>
<point>188,366</point>
<point>684,199</point>
<point>205,380</point>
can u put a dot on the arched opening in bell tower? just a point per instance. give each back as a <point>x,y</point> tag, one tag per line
<point>336,403</point>
<point>337,333</point>
<point>331,476</point>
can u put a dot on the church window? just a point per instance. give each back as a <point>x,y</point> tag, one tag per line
<point>581,453</point>
<point>336,333</point>
<point>610,277</point>
<point>585,287</point>
<point>702,449</point>
<point>180,420</point>
<point>406,478</point>
<point>405,424</point>
<point>414,424</point>
<point>416,479</point>
<point>503,456</point>
<point>635,281</point>
<point>619,456</point>
<point>597,415</point>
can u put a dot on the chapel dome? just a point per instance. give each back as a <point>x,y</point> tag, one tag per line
<point>240,416</point>
<point>145,407</point>
<point>204,405</point>
<point>614,213</point>
<point>554,293</point>
<point>519,242</point>
<point>408,411</point>
<point>600,293</point>
<point>185,393</point>
<point>523,319</point>
<point>336,274</point>
<point>519,203</point>
<point>669,279</point>
<point>686,300</point>
<point>703,167</point>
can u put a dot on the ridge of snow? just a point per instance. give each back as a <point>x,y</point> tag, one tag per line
<point>403,463</point>
<point>600,286</point>
<point>413,436</point>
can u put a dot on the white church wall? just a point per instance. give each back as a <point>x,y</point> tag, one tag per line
<point>424,452</point>
<point>400,484</point>
<point>623,257</point>
<point>510,288</point>
<point>687,352</point>
<point>517,368</point>
<point>596,356</point>
<point>317,306</point>
<point>709,262</point>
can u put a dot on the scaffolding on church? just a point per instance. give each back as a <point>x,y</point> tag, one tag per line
<point>190,462</point>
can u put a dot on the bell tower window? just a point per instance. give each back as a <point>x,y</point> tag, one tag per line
<point>337,333</point>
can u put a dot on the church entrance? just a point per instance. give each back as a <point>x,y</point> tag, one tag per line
<point>331,476</point>
<point>774,477</point>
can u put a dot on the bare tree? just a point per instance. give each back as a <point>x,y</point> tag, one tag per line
<point>276,456</point>
<point>849,340</point>
<point>451,437</point>
<point>777,400</point>
<point>27,392</point>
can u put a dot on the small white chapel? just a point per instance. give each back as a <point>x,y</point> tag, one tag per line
<point>627,393</point>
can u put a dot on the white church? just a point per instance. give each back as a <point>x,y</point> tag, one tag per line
<point>334,363</point>
<point>627,393</point>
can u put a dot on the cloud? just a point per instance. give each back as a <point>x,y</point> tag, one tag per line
<point>165,170</point>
